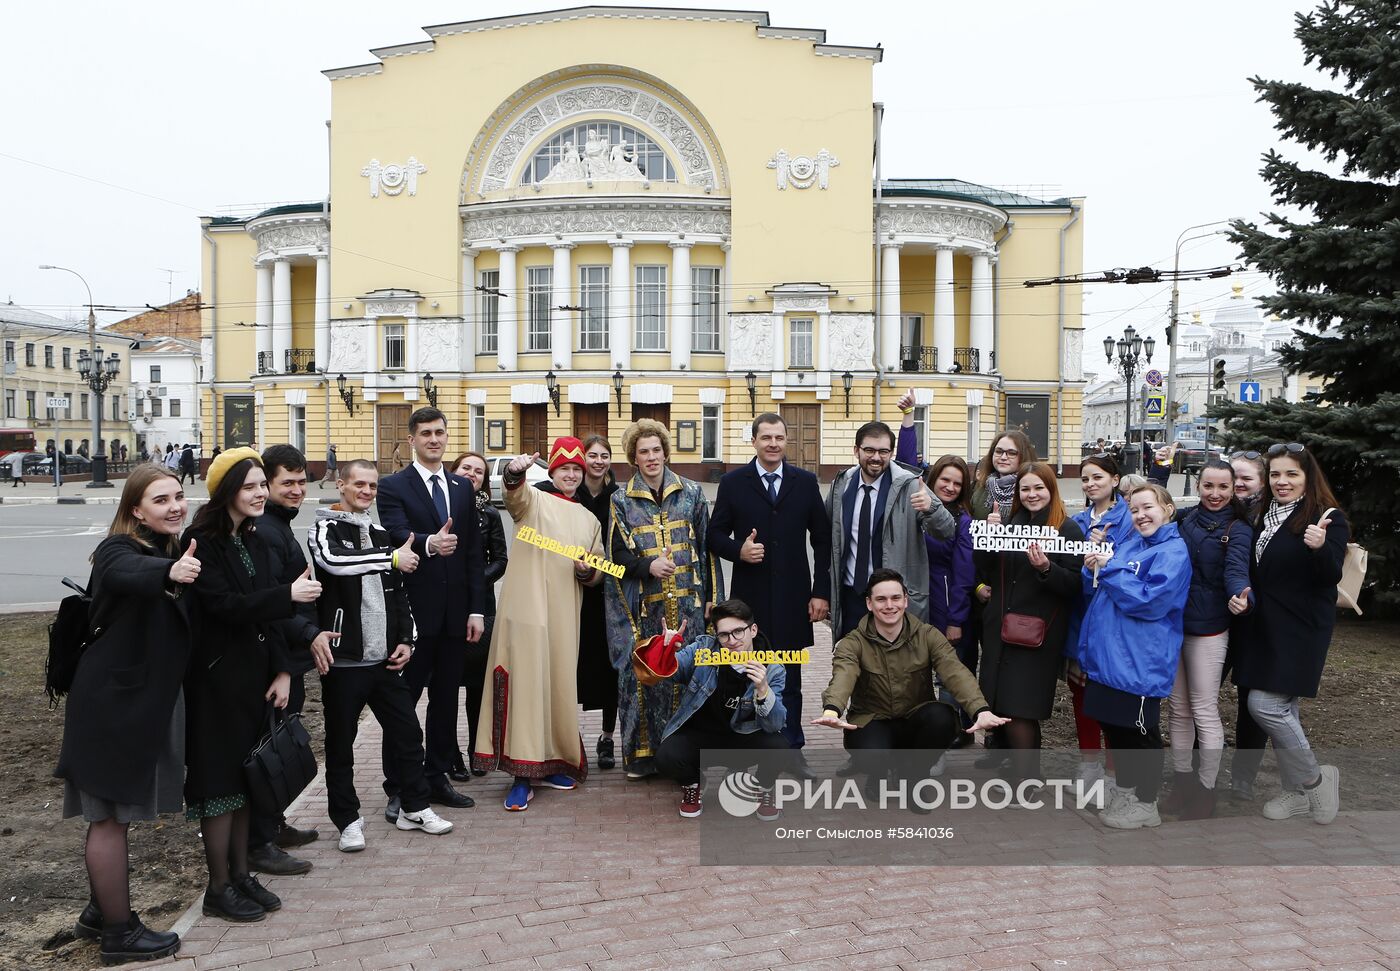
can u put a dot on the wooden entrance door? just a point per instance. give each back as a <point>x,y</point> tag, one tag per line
<point>661,413</point>
<point>804,430</point>
<point>590,420</point>
<point>534,429</point>
<point>392,452</point>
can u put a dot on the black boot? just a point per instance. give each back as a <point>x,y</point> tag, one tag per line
<point>459,772</point>
<point>271,858</point>
<point>249,887</point>
<point>606,759</point>
<point>89,924</point>
<point>230,904</point>
<point>134,941</point>
<point>289,836</point>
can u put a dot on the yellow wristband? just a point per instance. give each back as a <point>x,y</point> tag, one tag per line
<point>394,559</point>
<point>906,411</point>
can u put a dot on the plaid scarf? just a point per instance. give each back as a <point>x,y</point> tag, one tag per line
<point>1274,517</point>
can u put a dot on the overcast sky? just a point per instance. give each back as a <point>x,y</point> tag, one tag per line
<point>121,123</point>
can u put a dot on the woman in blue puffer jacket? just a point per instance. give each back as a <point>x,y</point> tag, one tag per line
<point>1218,536</point>
<point>1104,520</point>
<point>1131,639</point>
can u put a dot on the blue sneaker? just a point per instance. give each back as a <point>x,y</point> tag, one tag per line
<point>518,799</point>
<point>557,781</point>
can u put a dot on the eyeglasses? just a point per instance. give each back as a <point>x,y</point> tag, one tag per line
<point>1251,456</point>
<point>870,453</point>
<point>1005,452</point>
<point>1292,448</point>
<point>731,636</point>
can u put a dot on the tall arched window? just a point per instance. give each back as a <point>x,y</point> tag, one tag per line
<point>638,149</point>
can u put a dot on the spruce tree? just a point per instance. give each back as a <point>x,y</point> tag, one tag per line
<point>1335,260</point>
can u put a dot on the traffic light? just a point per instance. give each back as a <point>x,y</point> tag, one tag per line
<point>1218,375</point>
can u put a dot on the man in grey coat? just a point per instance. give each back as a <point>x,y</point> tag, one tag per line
<point>879,515</point>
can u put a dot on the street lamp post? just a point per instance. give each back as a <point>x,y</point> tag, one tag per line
<point>98,371</point>
<point>1130,348</point>
<point>99,457</point>
<point>1175,312</point>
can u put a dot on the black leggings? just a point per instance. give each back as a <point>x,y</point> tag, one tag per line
<point>1137,758</point>
<point>932,727</point>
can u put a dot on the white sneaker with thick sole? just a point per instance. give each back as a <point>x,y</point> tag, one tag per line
<point>1132,814</point>
<point>352,837</point>
<point>1325,798</point>
<point>1286,805</point>
<point>426,820</point>
<point>1117,798</point>
<point>939,767</point>
<point>1089,773</point>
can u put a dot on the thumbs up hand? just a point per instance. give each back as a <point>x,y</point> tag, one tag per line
<point>1239,603</point>
<point>522,462</point>
<point>921,500</point>
<point>405,560</point>
<point>1315,535</point>
<point>444,541</point>
<point>751,551</point>
<point>305,588</point>
<point>186,568</point>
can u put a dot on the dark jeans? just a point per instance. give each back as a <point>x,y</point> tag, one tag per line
<point>792,704</point>
<point>263,829</point>
<point>852,610</point>
<point>345,692</point>
<point>474,680</point>
<point>932,726</point>
<point>678,757</point>
<point>437,666</point>
<point>1137,758</point>
<point>1250,742</point>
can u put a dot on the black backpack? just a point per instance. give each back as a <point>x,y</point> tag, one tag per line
<point>69,635</point>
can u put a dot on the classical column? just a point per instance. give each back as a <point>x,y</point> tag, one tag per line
<point>281,313</point>
<point>620,327</point>
<point>981,309</point>
<point>821,341</point>
<point>468,302</point>
<point>508,314</point>
<point>682,304</point>
<point>262,314</point>
<point>779,342</point>
<point>561,322</point>
<point>323,311</point>
<point>943,306</point>
<point>890,317</point>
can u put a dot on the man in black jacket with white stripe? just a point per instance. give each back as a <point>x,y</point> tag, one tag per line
<point>363,600</point>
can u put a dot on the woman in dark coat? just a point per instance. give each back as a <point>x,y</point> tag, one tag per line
<point>472,467</point>
<point>240,663</point>
<point>1299,549</point>
<point>123,732</point>
<point>597,679</point>
<point>1017,681</point>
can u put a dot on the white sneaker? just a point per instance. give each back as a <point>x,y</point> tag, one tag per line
<point>352,837</point>
<point>1286,805</point>
<point>1089,773</point>
<point>1117,798</point>
<point>1132,814</point>
<point>426,820</point>
<point>1324,798</point>
<point>939,767</point>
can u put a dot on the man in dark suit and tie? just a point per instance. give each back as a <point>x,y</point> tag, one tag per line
<point>766,514</point>
<point>447,591</point>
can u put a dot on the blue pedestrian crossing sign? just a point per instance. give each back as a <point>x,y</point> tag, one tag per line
<point>1249,391</point>
<point>1156,405</point>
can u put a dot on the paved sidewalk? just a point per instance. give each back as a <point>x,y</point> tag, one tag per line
<point>607,878</point>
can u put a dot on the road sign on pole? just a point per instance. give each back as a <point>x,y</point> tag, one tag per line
<point>52,402</point>
<point>1153,377</point>
<point>1249,391</point>
<point>1156,404</point>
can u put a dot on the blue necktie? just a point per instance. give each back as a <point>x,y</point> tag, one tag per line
<point>772,479</point>
<point>439,498</point>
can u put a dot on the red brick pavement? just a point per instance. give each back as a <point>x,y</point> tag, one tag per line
<point>607,878</point>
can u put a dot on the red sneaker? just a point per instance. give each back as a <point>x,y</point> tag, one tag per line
<point>767,811</point>
<point>690,801</point>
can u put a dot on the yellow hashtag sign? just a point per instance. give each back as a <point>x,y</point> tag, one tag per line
<point>708,657</point>
<point>532,536</point>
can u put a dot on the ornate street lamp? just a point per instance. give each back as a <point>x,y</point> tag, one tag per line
<point>99,457</point>
<point>1129,362</point>
<point>429,390</point>
<point>617,389</point>
<point>846,380</point>
<point>347,394</point>
<point>552,383</point>
<point>751,380</point>
<point>98,371</point>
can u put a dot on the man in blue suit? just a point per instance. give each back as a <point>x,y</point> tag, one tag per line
<point>447,592</point>
<point>766,514</point>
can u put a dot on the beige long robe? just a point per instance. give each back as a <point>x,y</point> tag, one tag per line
<point>529,711</point>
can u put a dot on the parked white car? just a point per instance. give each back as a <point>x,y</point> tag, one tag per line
<point>496,469</point>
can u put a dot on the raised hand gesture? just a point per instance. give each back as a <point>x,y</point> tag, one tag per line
<point>305,588</point>
<point>1315,535</point>
<point>186,568</point>
<point>405,559</point>
<point>751,551</point>
<point>444,541</point>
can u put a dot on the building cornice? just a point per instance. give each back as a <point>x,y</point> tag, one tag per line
<point>558,219</point>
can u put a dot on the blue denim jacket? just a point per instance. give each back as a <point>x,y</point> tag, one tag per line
<point>700,683</point>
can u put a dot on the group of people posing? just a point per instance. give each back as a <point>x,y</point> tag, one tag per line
<point>195,632</point>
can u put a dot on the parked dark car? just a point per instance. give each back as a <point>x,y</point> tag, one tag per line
<point>73,464</point>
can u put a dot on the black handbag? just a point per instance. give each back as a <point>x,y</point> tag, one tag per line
<point>281,765</point>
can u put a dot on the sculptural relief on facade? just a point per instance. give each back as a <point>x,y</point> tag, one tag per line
<point>802,171</point>
<point>292,236</point>
<point>751,342</point>
<point>1072,362</point>
<point>347,345</point>
<point>852,338</point>
<point>598,160</point>
<point>439,344</point>
<point>393,178</point>
<point>936,221</point>
<point>595,219</point>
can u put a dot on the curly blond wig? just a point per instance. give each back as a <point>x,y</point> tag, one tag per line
<point>645,428</point>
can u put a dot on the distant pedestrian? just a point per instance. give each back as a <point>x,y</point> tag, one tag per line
<point>331,465</point>
<point>187,464</point>
<point>123,451</point>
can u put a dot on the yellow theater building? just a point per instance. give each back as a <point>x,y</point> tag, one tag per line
<point>556,223</point>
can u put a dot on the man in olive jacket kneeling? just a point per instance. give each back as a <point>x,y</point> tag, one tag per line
<point>884,670</point>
